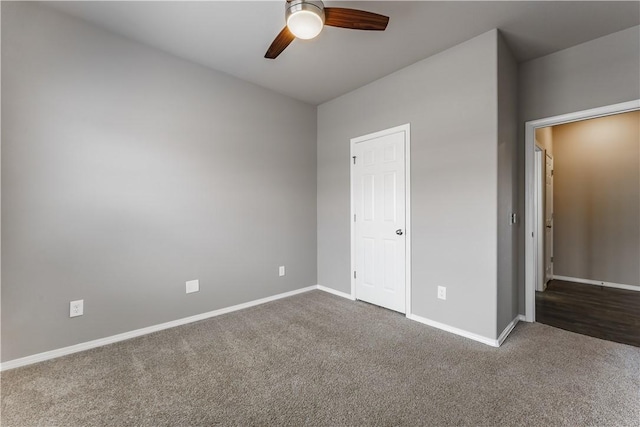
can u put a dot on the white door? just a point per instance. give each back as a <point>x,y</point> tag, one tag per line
<point>548,219</point>
<point>378,189</point>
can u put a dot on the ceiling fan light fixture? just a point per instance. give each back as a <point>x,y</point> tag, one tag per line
<point>305,19</point>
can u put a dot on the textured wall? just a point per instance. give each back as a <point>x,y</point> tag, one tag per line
<point>597,199</point>
<point>544,138</point>
<point>126,172</point>
<point>450,99</point>
<point>600,72</point>
<point>507,186</point>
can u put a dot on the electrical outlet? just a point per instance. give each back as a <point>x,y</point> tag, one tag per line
<point>281,271</point>
<point>193,286</point>
<point>442,292</point>
<point>76,308</point>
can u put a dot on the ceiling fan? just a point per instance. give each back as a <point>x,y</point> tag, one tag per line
<point>306,18</point>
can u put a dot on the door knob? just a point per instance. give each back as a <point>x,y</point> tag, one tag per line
<point>399,232</point>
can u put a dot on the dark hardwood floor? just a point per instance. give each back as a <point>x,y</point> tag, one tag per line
<point>597,311</point>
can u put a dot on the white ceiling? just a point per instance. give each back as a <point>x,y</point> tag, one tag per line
<point>233,36</point>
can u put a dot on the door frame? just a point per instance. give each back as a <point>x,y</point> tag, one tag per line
<point>548,257</point>
<point>539,218</point>
<point>406,128</point>
<point>529,177</point>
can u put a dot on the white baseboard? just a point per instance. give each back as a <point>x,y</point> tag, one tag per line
<point>453,330</point>
<point>461,332</point>
<point>598,283</point>
<point>503,336</point>
<point>334,292</point>
<point>52,354</point>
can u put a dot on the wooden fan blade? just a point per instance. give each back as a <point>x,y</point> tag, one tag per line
<point>354,19</point>
<point>280,43</point>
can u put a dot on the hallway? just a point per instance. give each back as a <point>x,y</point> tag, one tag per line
<point>601,312</point>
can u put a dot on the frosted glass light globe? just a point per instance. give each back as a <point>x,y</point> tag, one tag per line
<point>305,18</point>
<point>305,24</point>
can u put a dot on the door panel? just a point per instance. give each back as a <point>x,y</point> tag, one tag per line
<point>368,192</point>
<point>548,219</point>
<point>369,261</point>
<point>378,183</point>
<point>390,259</point>
<point>389,202</point>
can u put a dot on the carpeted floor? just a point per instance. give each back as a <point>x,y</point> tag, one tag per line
<point>317,359</point>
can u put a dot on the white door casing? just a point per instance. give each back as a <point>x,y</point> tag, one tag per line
<point>530,201</point>
<point>548,219</point>
<point>539,220</point>
<point>379,178</point>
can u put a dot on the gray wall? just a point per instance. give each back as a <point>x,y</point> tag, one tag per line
<point>450,99</point>
<point>544,138</point>
<point>597,199</point>
<point>507,186</point>
<point>126,172</point>
<point>601,72</point>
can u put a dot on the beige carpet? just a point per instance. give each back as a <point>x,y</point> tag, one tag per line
<point>317,359</point>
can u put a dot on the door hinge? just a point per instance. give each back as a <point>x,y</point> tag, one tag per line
<point>551,172</point>
<point>551,259</point>
<point>354,160</point>
<point>354,274</point>
<point>354,217</point>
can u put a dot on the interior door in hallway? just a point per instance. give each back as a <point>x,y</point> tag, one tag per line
<point>379,205</point>
<point>548,219</point>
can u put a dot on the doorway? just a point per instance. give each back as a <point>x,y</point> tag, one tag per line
<point>380,219</point>
<point>543,182</point>
<point>533,198</point>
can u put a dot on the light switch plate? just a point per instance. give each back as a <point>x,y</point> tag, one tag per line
<point>193,286</point>
<point>442,292</point>
<point>281,271</point>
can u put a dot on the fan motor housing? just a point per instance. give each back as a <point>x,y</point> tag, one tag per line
<point>294,6</point>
